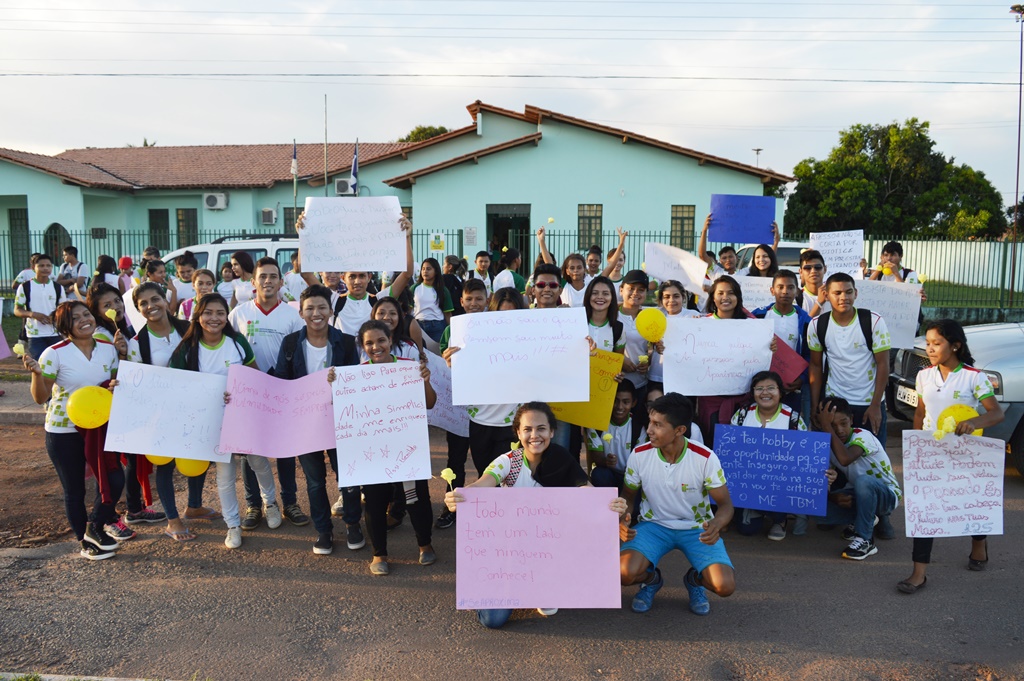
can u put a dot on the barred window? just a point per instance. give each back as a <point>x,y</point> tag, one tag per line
<point>681,234</point>
<point>159,229</point>
<point>589,225</point>
<point>188,227</point>
<point>290,215</point>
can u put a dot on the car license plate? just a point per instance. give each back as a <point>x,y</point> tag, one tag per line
<point>906,395</point>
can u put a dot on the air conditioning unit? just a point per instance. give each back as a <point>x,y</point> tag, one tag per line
<point>268,216</point>
<point>344,187</point>
<point>215,201</point>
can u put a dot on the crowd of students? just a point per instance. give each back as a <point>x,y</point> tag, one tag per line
<point>657,450</point>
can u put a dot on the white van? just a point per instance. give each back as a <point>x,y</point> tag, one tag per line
<point>214,255</point>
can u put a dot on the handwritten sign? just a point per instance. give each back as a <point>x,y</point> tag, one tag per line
<point>360,234</point>
<point>954,486</point>
<point>668,262</point>
<point>741,219</point>
<point>275,417</point>
<point>380,424</point>
<point>842,251</point>
<point>597,412</point>
<point>756,291</point>
<point>715,356</point>
<point>537,548</point>
<point>135,318</point>
<point>775,470</point>
<point>787,362</point>
<point>444,414</point>
<point>899,305</point>
<point>520,355</point>
<point>5,349</point>
<point>167,412</point>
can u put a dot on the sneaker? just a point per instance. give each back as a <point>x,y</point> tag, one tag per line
<point>778,532</point>
<point>698,596</point>
<point>645,596</point>
<point>146,515</point>
<point>800,526</point>
<point>445,520</point>
<point>354,538</point>
<point>253,516</point>
<point>338,509</point>
<point>93,552</point>
<point>850,532</point>
<point>380,568</point>
<point>119,531</point>
<point>234,538</point>
<point>859,549</point>
<point>324,544</point>
<point>548,612</point>
<point>884,529</point>
<point>295,515</point>
<point>100,539</point>
<point>273,516</point>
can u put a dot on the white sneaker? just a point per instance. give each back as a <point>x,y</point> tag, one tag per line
<point>547,612</point>
<point>234,538</point>
<point>273,516</point>
<point>338,509</point>
<point>777,532</point>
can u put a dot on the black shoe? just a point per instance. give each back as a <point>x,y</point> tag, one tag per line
<point>253,516</point>
<point>324,544</point>
<point>93,552</point>
<point>445,520</point>
<point>355,539</point>
<point>100,539</point>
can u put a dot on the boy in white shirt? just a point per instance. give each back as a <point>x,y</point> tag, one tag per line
<point>608,452</point>
<point>35,301</point>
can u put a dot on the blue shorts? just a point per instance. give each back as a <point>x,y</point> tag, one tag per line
<point>653,541</point>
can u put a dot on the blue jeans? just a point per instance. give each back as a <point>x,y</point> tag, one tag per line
<point>67,453</point>
<point>37,344</point>
<point>493,619</point>
<point>872,497</point>
<point>606,477</point>
<point>314,467</point>
<point>285,475</point>
<point>165,489</point>
<point>432,327</point>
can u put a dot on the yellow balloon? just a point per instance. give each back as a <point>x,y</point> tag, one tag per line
<point>190,468</point>
<point>651,324</point>
<point>887,271</point>
<point>159,460</point>
<point>89,407</point>
<point>960,412</point>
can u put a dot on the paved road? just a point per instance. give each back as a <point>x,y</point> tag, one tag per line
<point>273,610</point>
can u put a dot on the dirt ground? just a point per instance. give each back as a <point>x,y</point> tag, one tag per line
<point>31,507</point>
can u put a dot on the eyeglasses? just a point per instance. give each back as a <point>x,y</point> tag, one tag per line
<point>816,268</point>
<point>766,390</point>
<point>544,284</point>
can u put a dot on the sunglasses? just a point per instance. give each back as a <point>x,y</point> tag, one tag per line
<point>544,284</point>
<point>815,268</point>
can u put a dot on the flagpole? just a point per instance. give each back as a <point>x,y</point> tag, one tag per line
<point>325,144</point>
<point>295,181</point>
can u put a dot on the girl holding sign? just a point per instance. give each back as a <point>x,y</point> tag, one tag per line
<point>210,346</point>
<point>537,463</point>
<point>950,381</point>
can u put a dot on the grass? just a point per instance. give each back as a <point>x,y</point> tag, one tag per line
<point>12,325</point>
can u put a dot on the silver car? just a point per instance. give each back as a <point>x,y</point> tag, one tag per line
<point>998,350</point>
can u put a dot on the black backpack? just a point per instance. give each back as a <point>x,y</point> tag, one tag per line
<point>864,320</point>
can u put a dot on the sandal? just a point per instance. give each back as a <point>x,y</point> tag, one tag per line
<point>978,565</point>
<point>203,513</point>
<point>908,588</point>
<point>181,535</point>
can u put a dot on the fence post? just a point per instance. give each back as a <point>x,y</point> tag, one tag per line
<point>461,255</point>
<point>1002,284</point>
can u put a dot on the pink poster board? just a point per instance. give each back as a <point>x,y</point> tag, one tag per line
<point>787,362</point>
<point>537,548</point>
<point>275,417</point>
<point>5,349</point>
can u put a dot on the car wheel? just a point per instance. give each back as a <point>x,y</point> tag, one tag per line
<point>1016,448</point>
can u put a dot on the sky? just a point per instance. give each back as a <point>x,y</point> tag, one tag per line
<point>722,78</point>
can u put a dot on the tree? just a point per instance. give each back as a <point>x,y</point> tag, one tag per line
<point>423,132</point>
<point>145,143</point>
<point>889,181</point>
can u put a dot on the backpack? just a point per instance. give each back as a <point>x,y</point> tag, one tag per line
<point>864,320</point>
<point>616,333</point>
<point>180,325</point>
<point>27,288</point>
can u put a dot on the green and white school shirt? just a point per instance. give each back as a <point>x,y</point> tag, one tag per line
<point>874,461</point>
<point>217,359</point>
<point>160,347</point>
<point>44,301</point>
<point>621,444</point>
<point>964,385</point>
<point>851,373</point>
<point>675,495</point>
<point>787,326</point>
<point>69,369</point>
<point>500,468</point>
<point>265,329</point>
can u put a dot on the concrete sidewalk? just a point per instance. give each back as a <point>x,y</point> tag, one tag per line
<point>17,406</point>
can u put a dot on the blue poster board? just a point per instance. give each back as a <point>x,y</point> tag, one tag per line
<point>775,470</point>
<point>741,219</point>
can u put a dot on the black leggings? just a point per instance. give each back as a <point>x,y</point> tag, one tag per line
<point>458,451</point>
<point>487,443</point>
<point>67,452</point>
<point>376,510</point>
<point>922,551</point>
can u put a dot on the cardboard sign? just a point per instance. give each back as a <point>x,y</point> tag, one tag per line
<point>787,362</point>
<point>665,262</point>
<point>444,414</point>
<point>352,233</point>
<point>898,304</point>
<point>741,219</point>
<point>537,548</point>
<point>842,251</point>
<point>275,417</point>
<point>380,424</point>
<point>520,355</point>
<point>167,412</point>
<point>597,412</point>
<point>954,486</point>
<point>775,470</point>
<point>715,356</point>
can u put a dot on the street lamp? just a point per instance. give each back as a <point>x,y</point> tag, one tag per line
<point>757,150</point>
<point>1018,11</point>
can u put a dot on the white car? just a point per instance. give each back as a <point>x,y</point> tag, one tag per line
<point>213,255</point>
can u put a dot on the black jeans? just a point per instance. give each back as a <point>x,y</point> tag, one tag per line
<point>922,551</point>
<point>132,486</point>
<point>377,499</point>
<point>487,443</point>
<point>458,451</point>
<point>67,452</point>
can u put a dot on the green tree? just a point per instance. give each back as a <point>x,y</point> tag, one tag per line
<point>423,132</point>
<point>889,180</point>
<point>145,143</point>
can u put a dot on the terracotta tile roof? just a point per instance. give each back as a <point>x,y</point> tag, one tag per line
<point>409,179</point>
<point>224,166</point>
<point>68,170</point>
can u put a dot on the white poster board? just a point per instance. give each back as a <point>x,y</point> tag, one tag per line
<point>954,486</point>
<point>135,317</point>
<point>380,424</point>
<point>444,414</point>
<point>167,412</point>
<point>668,262</point>
<point>756,291</point>
<point>521,355</point>
<point>352,233</point>
<point>899,305</point>
<point>842,251</point>
<point>715,356</point>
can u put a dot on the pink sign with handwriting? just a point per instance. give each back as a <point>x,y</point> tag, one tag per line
<point>275,417</point>
<point>953,486</point>
<point>537,547</point>
<point>380,424</point>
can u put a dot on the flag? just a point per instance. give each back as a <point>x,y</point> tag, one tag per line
<point>295,160</point>
<point>355,170</point>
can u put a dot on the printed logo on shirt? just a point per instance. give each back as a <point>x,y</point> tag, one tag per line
<point>956,394</point>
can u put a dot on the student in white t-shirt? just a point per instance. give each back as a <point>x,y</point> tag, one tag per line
<point>73,275</point>
<point>673,298</point>
<point>226,287</point>
<point>677,481</point>
<point>185,266</point>
<point>813,296</point>
<point>204,282</point>
<point>79,360</point>
<point>433,308</point>
<point>243,287</point>
<point>35,301</point>
<point>632,294</point>
<point>608,451</point>
<point>294,282</point>
<point>156,271</point>
<point>404,331</point>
